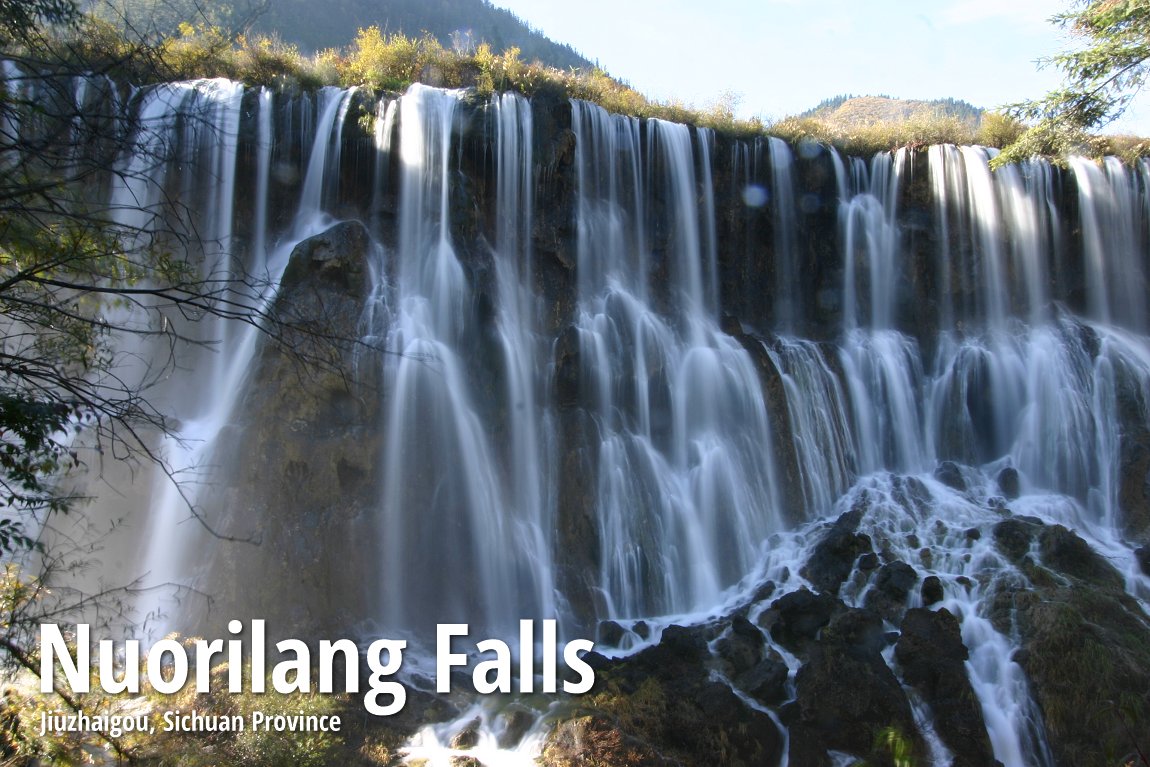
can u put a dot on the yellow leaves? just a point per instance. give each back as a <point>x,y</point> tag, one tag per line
<point>390,62</point>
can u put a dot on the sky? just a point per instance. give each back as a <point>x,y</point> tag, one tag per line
<point>782,57</point>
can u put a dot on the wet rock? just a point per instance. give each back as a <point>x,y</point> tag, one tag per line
<point>932,592</point>
<point>847,697</point>
<point>764,592</point>
<point>567,369</point>
<point>1062,550</point>
<point>795,619</point>
<point>931,655</point>
<point>1134,457</point>
<point>892,586</point>
<point>334,258</point>
<point>766,682</point>
<point>834,556</point>
<point>948,473</point>
<point>973,534</point>
<point>1085,649</point>
<point>1008,483</point>
<point>468,737</point>
<point>1142,555</point>
<point>912,495</point>
<point>1087,656</point>
<point>516,722</point>
<point>868,562</point>
<point>641,629</point>
<point>611,633</point>
<point>742,648</point>
<point>1014,536</point>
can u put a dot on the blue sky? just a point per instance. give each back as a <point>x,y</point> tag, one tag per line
<point>784,56</point>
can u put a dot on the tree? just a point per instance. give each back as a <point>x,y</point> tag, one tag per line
<point>1100,78</point>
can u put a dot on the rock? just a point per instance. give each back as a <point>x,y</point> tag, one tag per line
<point>1008,483</point>
<point>973,534</point>
<point>661,706</point>
<point>892,586</point>
<point>948,473</point>
<point>741,648</point>
<point>1086,653</point>
<point>1142,556</point>
<point>567,369</point>
<point>932,592</point>
<point>764,592</point>
<point>1085,649</point>
<point>766,682</point>
<point>334,258</point>
<point>1014,536</point>
<point>642,630</point>
<point>931,655</point>
<point>468,737</point>
<point>834,556</point>
<point>611,633</point>
<point>1062,550</point>
<point>868,562</point>
<point>797,618</point>
<point>847,696</point>
<point>516,722</point>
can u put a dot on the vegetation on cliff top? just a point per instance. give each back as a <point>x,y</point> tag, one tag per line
<point>390,61</point>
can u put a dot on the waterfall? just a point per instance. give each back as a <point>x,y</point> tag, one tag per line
<point>685,480</point>
<point>626,369</point>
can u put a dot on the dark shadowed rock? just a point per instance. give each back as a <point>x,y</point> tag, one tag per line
<point>1065,552</point>
<point>892,586</point>
<point>950,475</point>
<point>1085,649</point>
<point>795,619</point>
<point>932,591</point>
<point>1014,536</point>
<point>1143,557</point>
<point>611,633</point>
<point>515,722</point>
<point>834,556</point>
<point>741,648</point>
<point>847,696</point>
<point>1008,483</point>
<point>931,655</point>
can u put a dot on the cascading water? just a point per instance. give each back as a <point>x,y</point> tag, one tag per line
<point>575,423</point>
<point>685,487</point>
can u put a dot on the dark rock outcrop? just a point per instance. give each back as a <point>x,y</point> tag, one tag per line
<point>931,655</point>
<point>660,707</point>
<point>1081,634</point>
<point>834,556</point>
<point>848,698</point>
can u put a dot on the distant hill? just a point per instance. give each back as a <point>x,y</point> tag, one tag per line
<point>314,25</point>
<point>847,112</point>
